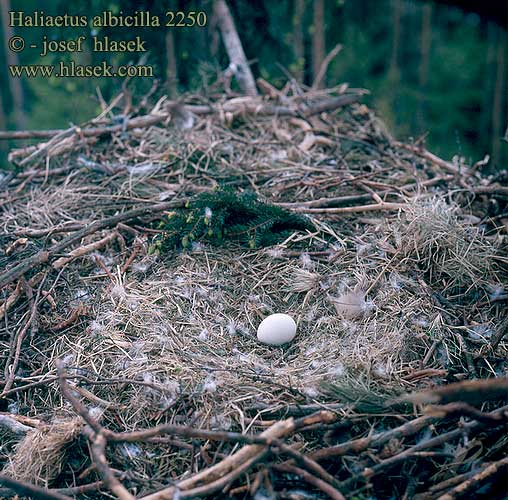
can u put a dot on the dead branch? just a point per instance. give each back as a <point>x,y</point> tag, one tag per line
<point>44,255</point>
<point>468,391</point>
<point>31,490</point>
<point>98,450</point>
<point>324,65</point>
<point>420,151</point>
<point>245,105</point>
<point>96,436</point>
<point>238,62</point>
<point>500,333</point>
<point>75,314</point>
<point>463,409</point>
<point>381,467</point>
<point>11,424</point>
<point>79,252</point>
<point>11,365</point>
<point>311,479</point>
<point>307,463</point>
<point>80,490</point>
<point>358,445</point>
<point>204,482</point>
<point>375,207</point>
<point>38,233</point>
<point>475,482</point>
<point>15,295</point>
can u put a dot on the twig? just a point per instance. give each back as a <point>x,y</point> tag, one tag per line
<point>96,434</point>
<point>446,165</point>
<point>357,445</point>
<point>9,423</point>
<point>11,368</point>
<point>499,334</point>
<point>311,479</point>
<point>463,409</point>
<point>99,456</point>
<point>79,490</point>
<point>248,105</point>
<point>220,474</point>
<point>309,464</point>
<point>324,66</point>
<point>467,391</point>
<point>16,294</point>
<point>133,255</point>
<point>475,482</point>
<point>79,252</point>
<point>76,312</point>
<point>388,463</point>
<point>44,255</point>
<point>384,206</point>
<point>230,463</point>
<point>61,228</point>
<point>31,490</point>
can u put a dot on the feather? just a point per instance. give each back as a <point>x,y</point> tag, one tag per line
<point>351,304</point>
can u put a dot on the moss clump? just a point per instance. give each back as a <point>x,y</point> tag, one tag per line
<point>223,215</point>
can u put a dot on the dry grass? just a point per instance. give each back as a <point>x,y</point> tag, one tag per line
<point>172,338</point>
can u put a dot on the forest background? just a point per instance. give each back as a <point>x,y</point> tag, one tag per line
<point>433,71</point>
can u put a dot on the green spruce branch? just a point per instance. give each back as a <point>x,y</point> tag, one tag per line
<point>223,215</point>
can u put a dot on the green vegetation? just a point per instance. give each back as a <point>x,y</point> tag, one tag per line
<point>225,215</point>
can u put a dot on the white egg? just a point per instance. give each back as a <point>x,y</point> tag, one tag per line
<point>277,329</point>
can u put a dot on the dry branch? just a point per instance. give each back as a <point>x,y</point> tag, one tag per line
<point>311,479</point>
<point>45,255</point>
<point>468,391</point>
<point>159,348</point>
<point>238,64</point>
<point>477,480</point>
<point>30,490</point>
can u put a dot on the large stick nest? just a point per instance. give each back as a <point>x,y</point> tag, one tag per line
<point>396,280</point>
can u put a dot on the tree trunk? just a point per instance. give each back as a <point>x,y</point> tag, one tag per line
<point>238,61</point>
<point>393,74</point>
<point>171,67</point>
<point>318,37</point>
<point>298,46</point>
<point>4,147</point>
<point>15,88</point>
<point>499,97</point>
<point>485,121</point>
<point>393,69</point>
<point>423,75</point>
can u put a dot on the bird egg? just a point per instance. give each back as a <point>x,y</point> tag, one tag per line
<point>277,329</point>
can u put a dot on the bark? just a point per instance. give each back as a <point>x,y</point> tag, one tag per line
<point>238,62</point>
<point>318,37</point>
<point>171,66</point>
<point>15,88</point>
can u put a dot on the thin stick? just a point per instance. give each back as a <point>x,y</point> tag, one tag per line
<point>475,482</point>
<point>31,490</point>
<point>96,434</point>
<point>44,255</point>
<point>311,479</point>
<point>324,65</point>
<point>253,106</point>
<point>385,206</point>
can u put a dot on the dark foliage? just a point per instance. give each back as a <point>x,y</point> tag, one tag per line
<point>225,215</point>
